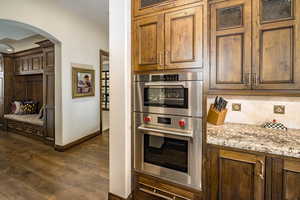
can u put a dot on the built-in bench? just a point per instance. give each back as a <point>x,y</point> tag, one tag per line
<point>28,125</point>
<point>31,119</point>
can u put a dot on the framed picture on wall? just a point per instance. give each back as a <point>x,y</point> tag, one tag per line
<point>83,82</point>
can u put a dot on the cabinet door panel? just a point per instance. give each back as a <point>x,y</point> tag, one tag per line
<point>230,45</point>
<point>37,62</point>
<point>291,180</point>
<point>148,44</point>
<point>230,17</point>
<point>235,175</point>
<point>147,3</point>
<point>48,58</point>
<point>230,59</point>
<point>276,45</point>
<point>49,101</point>
<point>184,35</point>
<point>236,180</point>
<point>17,65</point>
<point>277,56</point>
<point>241,176</point>
<point>24,64</point>
<point>273,10</point>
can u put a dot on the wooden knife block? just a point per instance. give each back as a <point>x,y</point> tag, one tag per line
<point>216,117</point>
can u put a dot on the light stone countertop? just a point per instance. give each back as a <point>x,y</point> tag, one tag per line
<point>255,138</point>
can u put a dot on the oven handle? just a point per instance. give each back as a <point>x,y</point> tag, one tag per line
<point>175,133</point>
<point>163,84</point>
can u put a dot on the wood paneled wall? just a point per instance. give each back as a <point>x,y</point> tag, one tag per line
<point>29,87</point>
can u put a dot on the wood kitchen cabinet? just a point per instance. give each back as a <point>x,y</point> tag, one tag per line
<point>241,174</point>
<point>276,44</point>
<point>28,62</point>
<point>34,61</point>
<point>148,43</point>
<point>255,45</point>
<point>183,38</point>
<point>235,175</point>
<point>231,44</point>
<point>142,7</point>
<point>173,40</point>
<point>283,179</point>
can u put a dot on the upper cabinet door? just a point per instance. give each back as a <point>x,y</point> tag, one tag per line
<point>148,44</point>
<point>48,58</point>
<point>184,38</point>
<point>231,45</point>
<point>276,44</point>
<point>37,62</point>
<point>142,7</point>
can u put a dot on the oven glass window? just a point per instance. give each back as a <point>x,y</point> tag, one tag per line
<point>166,152</point>
<point>166,97</point>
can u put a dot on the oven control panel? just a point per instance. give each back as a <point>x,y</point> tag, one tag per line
<point>167,121</point>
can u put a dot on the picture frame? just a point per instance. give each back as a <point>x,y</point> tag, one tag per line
<point>83,82</point>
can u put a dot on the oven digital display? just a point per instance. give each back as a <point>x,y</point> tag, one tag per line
<point>166,77</point>
<point>164,120</point>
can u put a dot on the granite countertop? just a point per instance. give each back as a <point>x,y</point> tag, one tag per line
<point>255,138</point>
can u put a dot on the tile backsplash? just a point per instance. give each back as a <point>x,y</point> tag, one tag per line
<point>257,110</point>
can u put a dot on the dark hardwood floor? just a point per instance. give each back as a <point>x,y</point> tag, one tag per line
<point>30,170</point>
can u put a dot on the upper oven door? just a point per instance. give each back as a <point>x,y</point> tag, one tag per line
<point>176,98</point>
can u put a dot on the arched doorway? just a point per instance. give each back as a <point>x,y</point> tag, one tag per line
<point>29,64</point>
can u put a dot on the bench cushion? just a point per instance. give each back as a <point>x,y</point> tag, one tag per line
<point>30,119</point>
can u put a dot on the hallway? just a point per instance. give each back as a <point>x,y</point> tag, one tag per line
<point>31,170</point>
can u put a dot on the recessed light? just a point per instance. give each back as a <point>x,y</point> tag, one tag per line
<point>9,50</point>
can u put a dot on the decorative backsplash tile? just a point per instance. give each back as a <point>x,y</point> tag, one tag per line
<point>257,110</point>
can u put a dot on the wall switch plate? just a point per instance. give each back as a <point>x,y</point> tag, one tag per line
<point>236,107</point>
<point>279,109</point>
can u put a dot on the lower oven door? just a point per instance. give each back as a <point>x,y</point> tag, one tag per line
<point>169,155</point>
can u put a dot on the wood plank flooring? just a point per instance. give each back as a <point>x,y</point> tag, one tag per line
<point>30,170</point>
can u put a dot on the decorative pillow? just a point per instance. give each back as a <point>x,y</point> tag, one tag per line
<point>29,107</point>
<point>16,107</point>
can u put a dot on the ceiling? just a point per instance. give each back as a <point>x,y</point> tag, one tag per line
<point>11,34</point>
<point>10,31</point>
<point>96,10</point>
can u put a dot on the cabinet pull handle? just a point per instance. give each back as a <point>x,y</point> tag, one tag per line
<point>254,79</point>
<point>157,192</point>
<point>161,59</point>
<point>262,165</point>
<point>154,193</point>
<point>247,79</point>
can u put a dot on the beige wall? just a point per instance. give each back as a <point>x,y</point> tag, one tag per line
<point>257,110</point>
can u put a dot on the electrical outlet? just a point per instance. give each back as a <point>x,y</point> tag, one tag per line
<point>236,107</point>
<point>279,109</point>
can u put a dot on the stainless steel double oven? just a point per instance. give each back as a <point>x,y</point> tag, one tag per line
<point>168,126</point>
